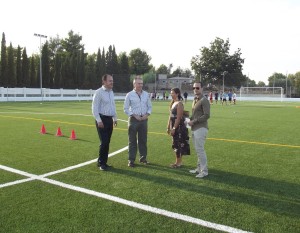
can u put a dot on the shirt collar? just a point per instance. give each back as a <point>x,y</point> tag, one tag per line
<point>105,89</point>
<point>199,97</point>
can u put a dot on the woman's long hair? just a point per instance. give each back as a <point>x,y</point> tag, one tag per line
<point>177,91</point>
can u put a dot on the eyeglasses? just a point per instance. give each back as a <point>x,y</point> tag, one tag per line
<point>197,88</point>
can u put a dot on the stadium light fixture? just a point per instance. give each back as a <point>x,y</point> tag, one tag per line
<point>41,76</point>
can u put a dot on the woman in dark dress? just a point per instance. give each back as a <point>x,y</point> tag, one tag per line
<point>177,128</point>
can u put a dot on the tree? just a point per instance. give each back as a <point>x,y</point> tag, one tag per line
<point>261,84</point>
<point>139,62</point>
<point>46,66</point>
<point>90,71</point>
<point>25,69</point>
<point>162,69</point>
<point>112,66</point>
<point>72,50</point>
<point>179,72</point>
<point>213,61</point>
<point>124,79</point>
<point>3,64</point>
<point>71,44</point>
<point>278,80</point>
<point>11,73</point>
<point>103,63</point>
<point>295,82</point>
<point>98,70</point>
<point>32,73</point>
<point>20,82</point>
<point>57,70</point>
<point>55,50</point>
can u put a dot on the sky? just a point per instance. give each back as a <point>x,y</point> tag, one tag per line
<point>169,31</point>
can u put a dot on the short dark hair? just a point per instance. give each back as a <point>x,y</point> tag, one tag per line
<point>199,83</point>
<point>104,77</point>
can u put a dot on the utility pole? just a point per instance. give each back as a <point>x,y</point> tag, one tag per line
<point>286,84</point>
<point>41,75</point>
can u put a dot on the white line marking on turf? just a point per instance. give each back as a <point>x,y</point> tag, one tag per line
<point>16,182</point>
<point>82,164</point>
<point>58,171</point>
<point>147,208</point>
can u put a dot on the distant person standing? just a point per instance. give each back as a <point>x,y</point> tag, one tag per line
<point>167,95</point>
<point>157,96</point>
<point>185,95</point>
<point>104,112</point>
<point>224,98</point>
<point>216,96</point>
<point>138,107</point>
<point>199,126</point>
<point>210,97</point>
<point>229,97</point>
<point>234,97</point>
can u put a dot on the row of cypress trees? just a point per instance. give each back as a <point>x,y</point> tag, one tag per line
<point>65,64</point>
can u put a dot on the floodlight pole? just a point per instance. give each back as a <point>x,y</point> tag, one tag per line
<point>41,75</point>
<point>274,83</point>
<point>224,73</point>
<point>286,84</point>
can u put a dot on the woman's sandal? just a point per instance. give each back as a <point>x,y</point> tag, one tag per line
<point>174,165</point>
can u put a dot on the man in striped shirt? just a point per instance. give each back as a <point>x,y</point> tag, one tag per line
<point>104,112</point>
<point>138,107</point>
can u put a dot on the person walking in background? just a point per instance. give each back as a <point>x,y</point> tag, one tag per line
<point>157,96</point>
<point>216,97</point>
<point>230,97</point>
<point>199,126</point>
<point>210,97</point>
<point>177,129</point>
<point>167,95</point>
<point>104,112</point>
<point>138,107</point>
<point>185,95</point>
<point>234,97</point>
<point>224,98</point>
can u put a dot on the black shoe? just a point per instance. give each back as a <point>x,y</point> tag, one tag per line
<point>130,164</point>
<point>144,161</point>
<point>108,166</point>
<point>103,168</point>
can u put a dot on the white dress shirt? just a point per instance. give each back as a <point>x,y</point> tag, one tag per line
<point>137,104</point>
<point>104,104</point>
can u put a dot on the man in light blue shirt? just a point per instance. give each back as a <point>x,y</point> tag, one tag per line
<point>138,107</point>
<point>104,112</point>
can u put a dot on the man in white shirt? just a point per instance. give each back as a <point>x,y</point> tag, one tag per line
<point>138,107</point>
<point>104,112</point>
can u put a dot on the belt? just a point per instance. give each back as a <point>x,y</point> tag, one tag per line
<point>104,116</point>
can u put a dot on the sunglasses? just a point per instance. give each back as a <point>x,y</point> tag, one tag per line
<point>197,88</point>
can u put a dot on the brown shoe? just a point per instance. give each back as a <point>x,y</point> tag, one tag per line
<point>174,165</point>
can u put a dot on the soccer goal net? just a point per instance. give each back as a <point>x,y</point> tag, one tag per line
<point>261,93</point>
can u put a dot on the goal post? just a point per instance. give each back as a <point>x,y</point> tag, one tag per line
<point>261,93</point>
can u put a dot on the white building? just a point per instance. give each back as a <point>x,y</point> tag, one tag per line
<point>165,83</point>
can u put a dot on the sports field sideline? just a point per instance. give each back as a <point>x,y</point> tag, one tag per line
<point>52,184</point>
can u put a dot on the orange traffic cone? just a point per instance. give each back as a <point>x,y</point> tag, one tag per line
<point>43,129</point>
<point>73,135</point>
<point>58,133</point>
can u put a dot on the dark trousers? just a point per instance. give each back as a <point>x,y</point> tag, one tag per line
<point>104,136</point>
